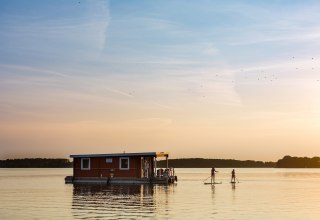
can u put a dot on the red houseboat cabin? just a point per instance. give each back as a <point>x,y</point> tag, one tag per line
<point>120,168</point>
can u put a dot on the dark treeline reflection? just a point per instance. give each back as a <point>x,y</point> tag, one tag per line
<point>119,201</point>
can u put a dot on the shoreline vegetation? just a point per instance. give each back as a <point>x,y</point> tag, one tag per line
<point>218,163</point>
<point>285,162</point>
<point>36,163</point>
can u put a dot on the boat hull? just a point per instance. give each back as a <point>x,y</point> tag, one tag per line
<point>106,181</point>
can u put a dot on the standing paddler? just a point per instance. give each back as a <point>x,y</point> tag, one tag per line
<point>233,176</point>
<point>213,176</point>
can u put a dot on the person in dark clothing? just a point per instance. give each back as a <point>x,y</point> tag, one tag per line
<point>213,175</point>
<point>233,176</point>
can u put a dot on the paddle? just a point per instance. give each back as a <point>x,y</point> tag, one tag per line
<point>237,179</point>
<point>206,179</point>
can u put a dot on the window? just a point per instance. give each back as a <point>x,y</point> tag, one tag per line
<point>108,160</point>
<point>85,163</point>
<point>124,163</point>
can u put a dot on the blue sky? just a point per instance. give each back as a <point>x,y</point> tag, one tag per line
<point>227,79</point>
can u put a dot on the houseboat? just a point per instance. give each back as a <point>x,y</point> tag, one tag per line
<point>121,168</point>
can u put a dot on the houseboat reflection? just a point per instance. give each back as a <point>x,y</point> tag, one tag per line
<point>112,201</point>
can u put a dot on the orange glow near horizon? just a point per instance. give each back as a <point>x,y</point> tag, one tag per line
<point>105,77</point>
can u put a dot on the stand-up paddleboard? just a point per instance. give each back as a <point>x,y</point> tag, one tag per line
<point>212,183</point>
<point>233,182</point>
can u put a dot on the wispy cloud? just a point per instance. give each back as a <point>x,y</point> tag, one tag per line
<point>79,38</point>
<point>33,70</point>
<point>256,38</point>
<point>96,71</point>
<point>163,105</point>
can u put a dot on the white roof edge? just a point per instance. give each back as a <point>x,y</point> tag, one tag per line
<point>114,155</point>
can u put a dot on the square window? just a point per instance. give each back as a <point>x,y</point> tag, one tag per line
<point>85,163</point>
<point>124,163</point>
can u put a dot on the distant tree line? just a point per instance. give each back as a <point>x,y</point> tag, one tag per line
<point>35,163</point>
<point>298,162</point>
<point>219,163</point>
<point>285,162</point>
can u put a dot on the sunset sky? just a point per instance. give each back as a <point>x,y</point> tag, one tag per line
<point>213,79</point>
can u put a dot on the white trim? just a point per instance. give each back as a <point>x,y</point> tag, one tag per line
<point>127,158</point>
<point>146,154</point>
<point>82,168</point>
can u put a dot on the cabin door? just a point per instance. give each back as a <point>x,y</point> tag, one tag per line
<point>145,167</point>
<point>142,167</point>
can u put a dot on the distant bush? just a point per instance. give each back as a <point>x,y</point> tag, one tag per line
<point>35,163</point>
<point>298,162</point>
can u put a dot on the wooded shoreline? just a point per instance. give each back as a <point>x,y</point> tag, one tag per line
<point>285,162</point>
<point>36,163</point>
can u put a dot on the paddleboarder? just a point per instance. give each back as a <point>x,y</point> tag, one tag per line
<point>233,176</point>
<point>213,176</point>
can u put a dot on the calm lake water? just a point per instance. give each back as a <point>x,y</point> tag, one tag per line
<point>261,194</point>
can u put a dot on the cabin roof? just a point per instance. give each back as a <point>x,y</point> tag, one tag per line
<point>151,154</point>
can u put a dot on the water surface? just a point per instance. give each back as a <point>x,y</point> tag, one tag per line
<point>261,194</point>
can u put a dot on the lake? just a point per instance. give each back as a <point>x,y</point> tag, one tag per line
<point>263,193</point>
